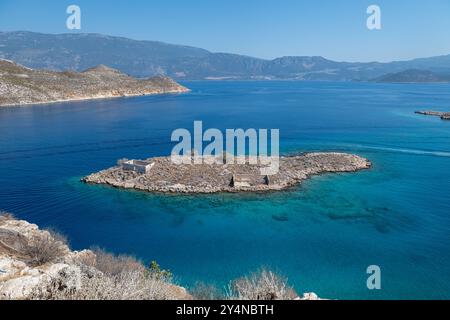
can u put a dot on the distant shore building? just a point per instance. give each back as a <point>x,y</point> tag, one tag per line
<point>139,166</point>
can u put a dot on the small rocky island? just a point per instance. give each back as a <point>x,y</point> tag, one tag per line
<point>162,175</point>
<point>20,85</point>
<point>442,115</point>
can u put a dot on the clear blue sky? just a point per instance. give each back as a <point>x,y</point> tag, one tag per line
<point>262,28</point>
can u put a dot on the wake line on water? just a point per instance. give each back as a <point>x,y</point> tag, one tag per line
<point>402,150</point>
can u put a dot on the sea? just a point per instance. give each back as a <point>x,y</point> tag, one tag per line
<point>322,236</point>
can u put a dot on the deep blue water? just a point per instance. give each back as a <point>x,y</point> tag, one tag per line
<point>322,235</point>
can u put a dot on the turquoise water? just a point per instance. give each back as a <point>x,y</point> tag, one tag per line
<point>322,235</point>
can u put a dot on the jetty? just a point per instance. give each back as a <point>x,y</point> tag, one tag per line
<point>442,115</point>
<point>160,174</point>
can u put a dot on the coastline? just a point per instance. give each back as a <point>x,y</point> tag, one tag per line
<point>99,97</point>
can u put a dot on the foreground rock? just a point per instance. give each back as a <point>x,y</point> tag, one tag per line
<point>167,177</point>
<point>36,265</point>
<point>20,85</point>
<point>442,115</point>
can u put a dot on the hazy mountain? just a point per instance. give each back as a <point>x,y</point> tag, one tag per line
<point>146,58</point>
<point>413,75</point>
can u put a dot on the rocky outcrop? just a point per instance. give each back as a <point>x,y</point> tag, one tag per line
<point>168,177</point>
<point>442,115</point>
<point>20,85</point>
<point>309,296</point>
<point>68,275</point>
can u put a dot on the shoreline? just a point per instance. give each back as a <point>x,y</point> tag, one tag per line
<point>94,98</point>
<point>22,86</point>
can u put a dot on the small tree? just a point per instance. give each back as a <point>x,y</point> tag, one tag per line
<point>155,271</point>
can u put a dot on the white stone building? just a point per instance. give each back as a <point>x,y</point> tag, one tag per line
<point>140,166</point>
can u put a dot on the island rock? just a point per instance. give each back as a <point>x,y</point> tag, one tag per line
<point>168,177</point>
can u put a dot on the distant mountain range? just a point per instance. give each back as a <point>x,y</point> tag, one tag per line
<point>78,52</point>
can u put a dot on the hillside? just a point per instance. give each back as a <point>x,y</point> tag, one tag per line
<point>21,85</point>
<point>78,52</point>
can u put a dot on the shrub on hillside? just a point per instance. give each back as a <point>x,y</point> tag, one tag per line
<point>154,270</point>
<point>114,265</point>
<point>262,285</point>
<point>44,248</point>
<point>92,284</point>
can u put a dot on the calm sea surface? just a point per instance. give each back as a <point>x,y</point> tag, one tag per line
<point>322,235</point>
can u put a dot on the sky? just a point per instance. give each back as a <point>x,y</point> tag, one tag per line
<point>261,28</point>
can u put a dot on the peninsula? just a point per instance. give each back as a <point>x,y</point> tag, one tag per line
<point>20,85</point>
<point>413,76</point>
<point>442,115</point>
<point>162,175</point>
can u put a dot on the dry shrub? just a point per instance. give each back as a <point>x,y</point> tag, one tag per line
<point>113,265</point>
<point>140,286</point>
<point>262,285</point>
<point>110,278</point>
<point>57,236</point>
<point>91,284</point>
<point>44,248</point>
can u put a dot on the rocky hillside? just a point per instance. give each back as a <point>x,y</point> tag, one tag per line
<point>37,264</point>
<point>21,85</point>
